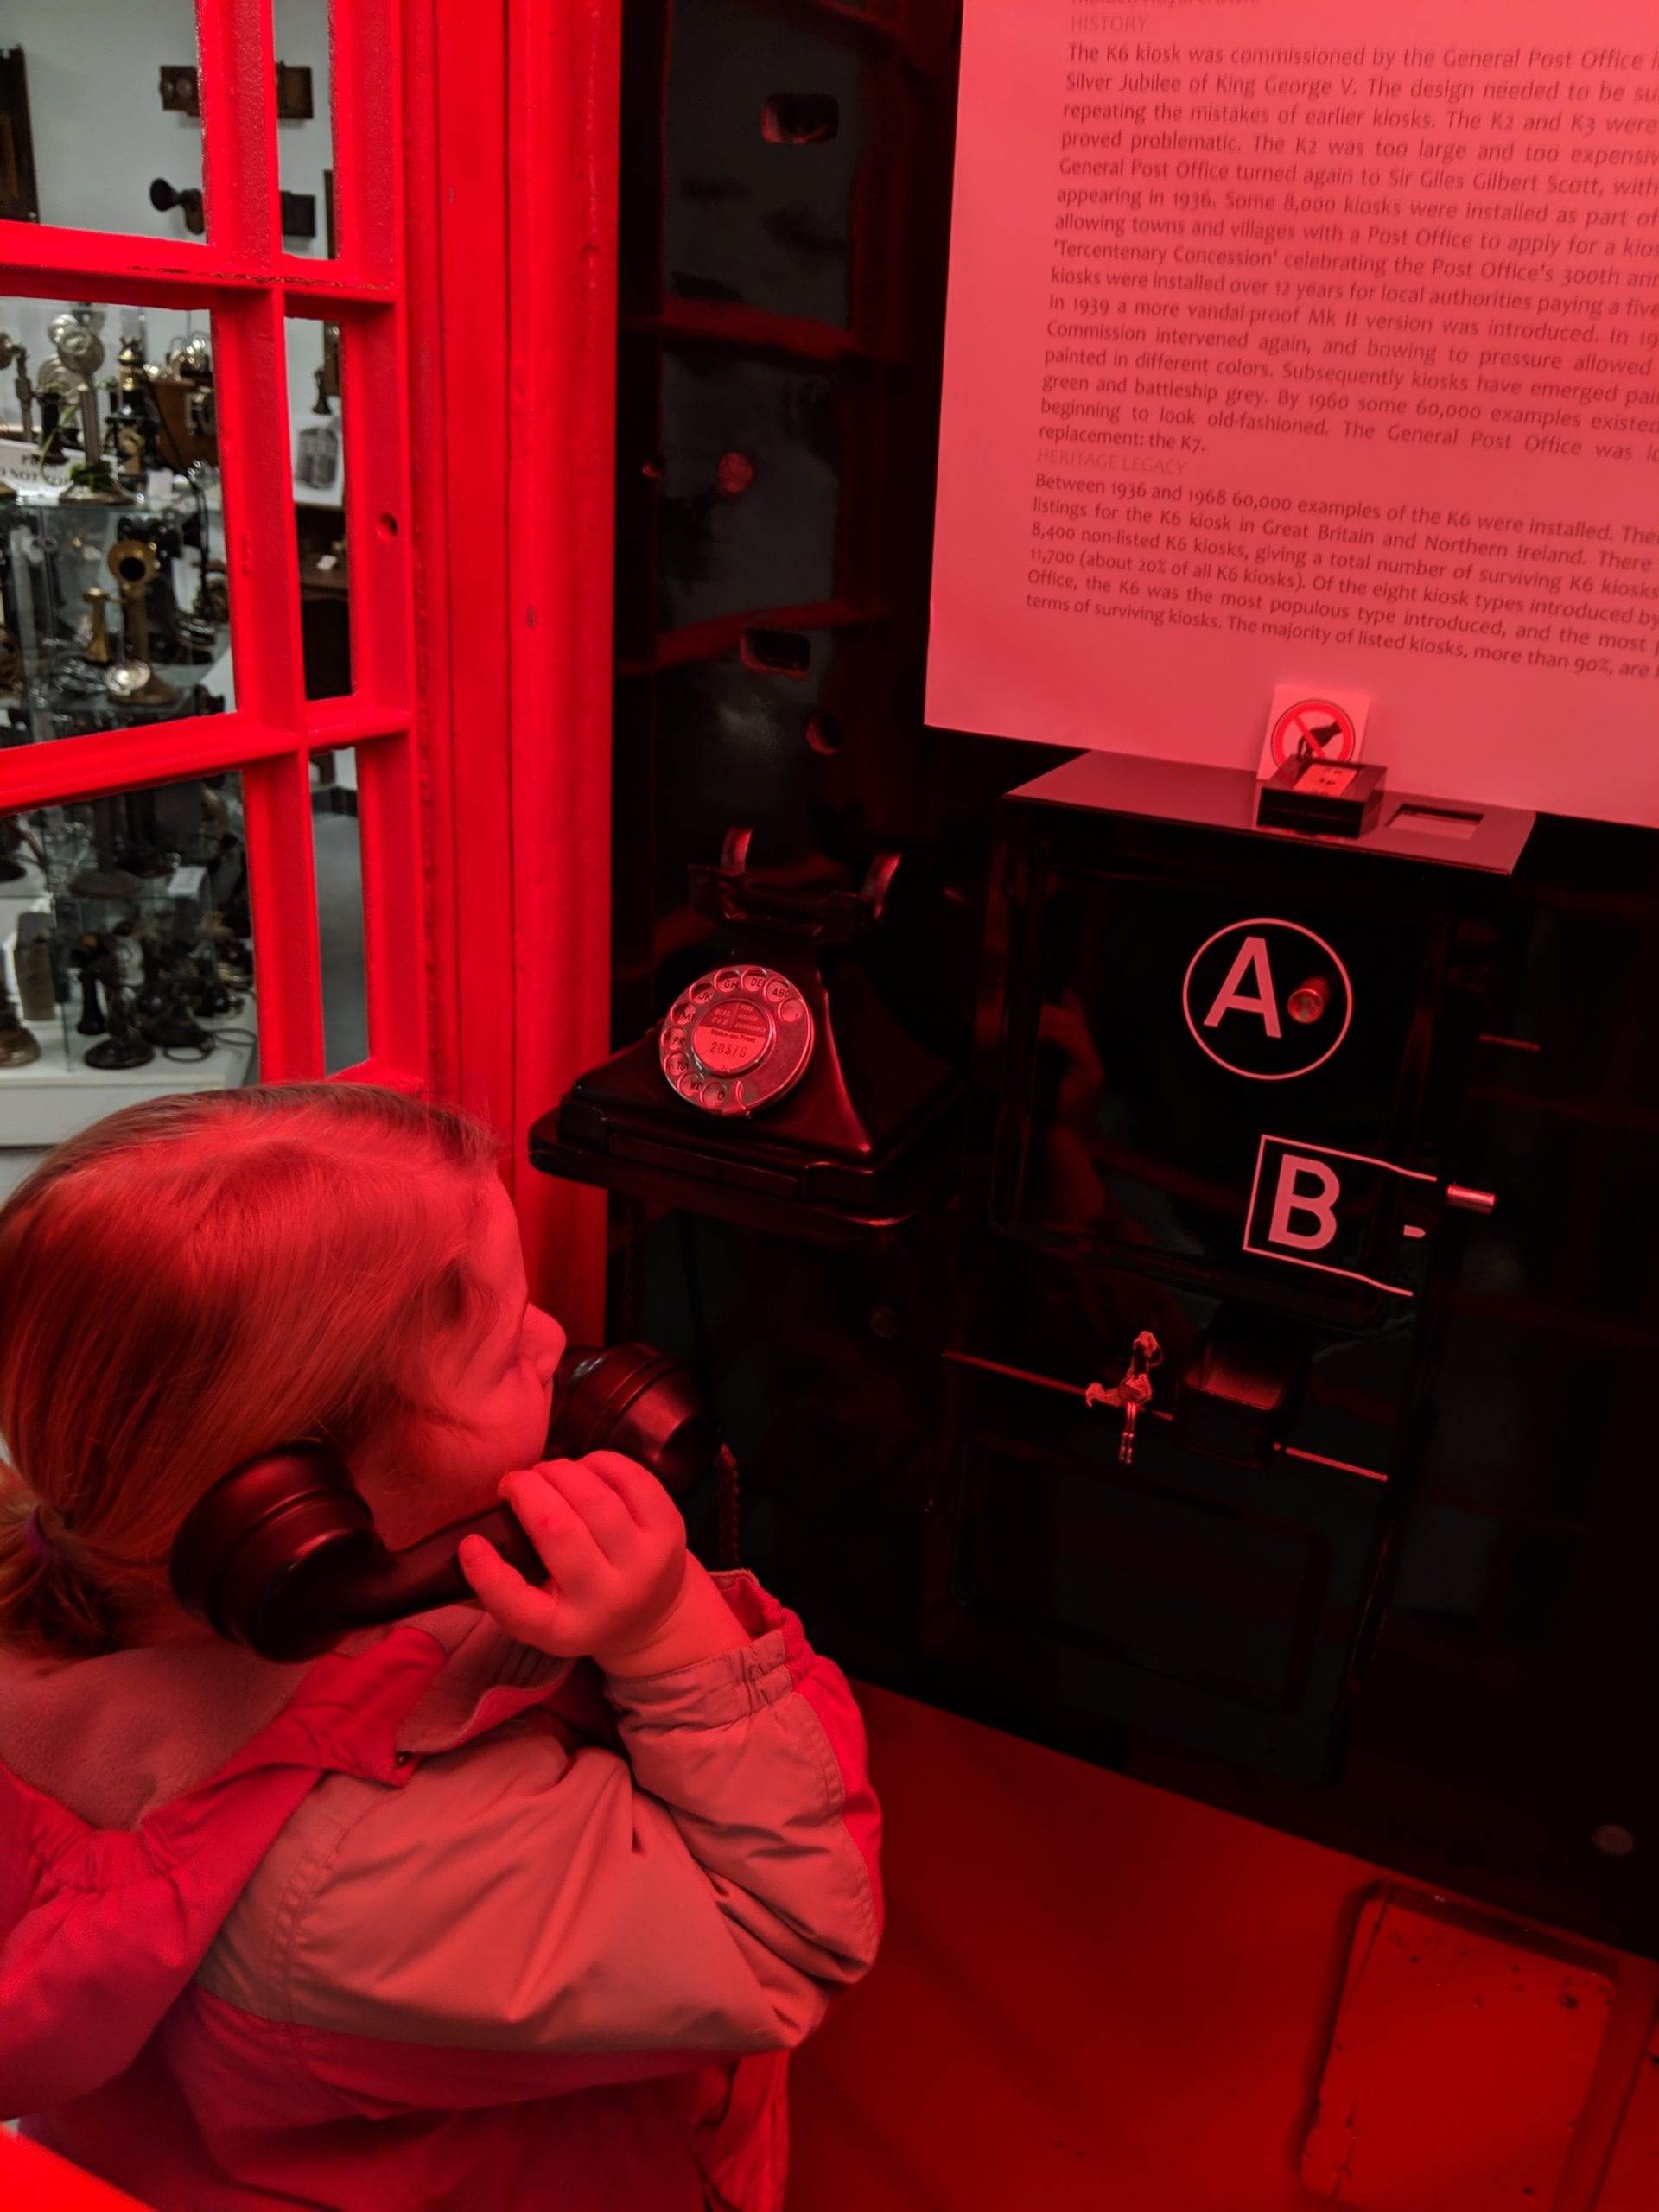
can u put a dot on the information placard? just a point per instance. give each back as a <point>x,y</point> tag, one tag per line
<point>1288,346</point>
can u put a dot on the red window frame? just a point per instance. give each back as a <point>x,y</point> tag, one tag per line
<point>242,274</point>
<point>474,159</point>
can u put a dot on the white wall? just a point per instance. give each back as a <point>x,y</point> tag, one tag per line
<point>100,136</point>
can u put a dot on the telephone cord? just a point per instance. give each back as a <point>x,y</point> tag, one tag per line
<point>730,1510</point>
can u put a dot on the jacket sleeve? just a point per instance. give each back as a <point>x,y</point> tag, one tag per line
<point>708,1892</point>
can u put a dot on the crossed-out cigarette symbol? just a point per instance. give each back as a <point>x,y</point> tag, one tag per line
<point>1314,729</point>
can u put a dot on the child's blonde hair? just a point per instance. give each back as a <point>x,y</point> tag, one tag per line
<point>195,1280</point>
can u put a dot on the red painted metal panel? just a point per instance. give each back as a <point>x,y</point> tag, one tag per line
<point>394,932</point>
<point>277,797</point>
<point>430,511</point>
<point>366,73</point>
<point>33,2180</point>
<point>512,511</point>
<point>251,392</point>
<point>252,397</point>
<point>455,75</point>
<point>367,91</point>
<point>46,264</point>
<point>349,721</point>
<point>120,760</point>
<point>321,289</point>
<point>378,508</point>
<point>564,73</point>
<point>239,168</point>
<point>239,127</point>
<point>380,525</point>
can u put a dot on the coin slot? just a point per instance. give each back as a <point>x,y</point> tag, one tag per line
<point>799,118</point>
<point>1435,821</point>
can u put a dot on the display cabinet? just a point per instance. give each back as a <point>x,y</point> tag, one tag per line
<point>157,786</point>
<point>124,914</point>
<point>114,616</point>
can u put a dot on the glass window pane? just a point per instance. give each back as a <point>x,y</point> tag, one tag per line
<point>127,958</point>
<point>114,606</point>
<point>316,431</point>
<point>305,136</point>
<point>100,103</point>
<point>337,856</point>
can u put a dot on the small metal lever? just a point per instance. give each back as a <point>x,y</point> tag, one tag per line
<point>1131,1392</point>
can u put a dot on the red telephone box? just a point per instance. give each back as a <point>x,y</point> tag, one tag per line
<point>1095,1992</point>
<point>473,181</point>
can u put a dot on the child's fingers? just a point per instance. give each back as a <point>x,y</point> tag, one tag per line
<point>648,1503</point>
<point>492,1578</point>
<point>605,1515</point>
<point>564,1542</point>
<point>529,1615</point>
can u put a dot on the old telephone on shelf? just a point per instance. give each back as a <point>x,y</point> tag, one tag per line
<point>777,1089</point>
<point>281,1554</point>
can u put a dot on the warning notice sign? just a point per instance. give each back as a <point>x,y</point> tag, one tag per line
<point>1294,344</point>
<point>1313,728</point>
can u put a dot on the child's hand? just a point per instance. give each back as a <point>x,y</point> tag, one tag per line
<point>613,1544</point>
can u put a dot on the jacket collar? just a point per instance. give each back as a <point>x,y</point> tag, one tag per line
<point>114,1738</point>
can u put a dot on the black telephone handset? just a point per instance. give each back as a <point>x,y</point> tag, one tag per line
<point>281,1554</point>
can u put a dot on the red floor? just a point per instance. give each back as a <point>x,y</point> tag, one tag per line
<point>32,2180</point>
<point>1095,1997</point>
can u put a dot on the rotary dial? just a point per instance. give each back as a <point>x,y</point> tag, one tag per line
<point>739,1039</point>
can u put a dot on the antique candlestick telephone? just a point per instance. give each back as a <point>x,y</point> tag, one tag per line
<point>281,1554</point>
<point>132,681</point>
<point>18,1045</point>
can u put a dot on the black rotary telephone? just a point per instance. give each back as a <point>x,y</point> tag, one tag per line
<point>281,1554</point>
<point>777,1089</point>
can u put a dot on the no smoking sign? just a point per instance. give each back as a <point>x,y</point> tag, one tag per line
<point>1306,725</point>
<point>1313,727</point>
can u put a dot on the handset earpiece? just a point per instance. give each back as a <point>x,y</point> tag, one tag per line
<point>632,1399</point>
<point>281,1554</point>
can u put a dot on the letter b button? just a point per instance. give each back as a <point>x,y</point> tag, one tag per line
<point>1314,1206</point>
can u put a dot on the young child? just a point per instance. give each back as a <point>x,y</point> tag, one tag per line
<point>516,1906</point>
